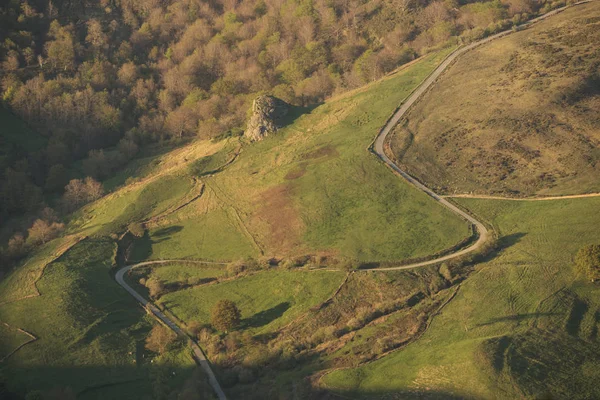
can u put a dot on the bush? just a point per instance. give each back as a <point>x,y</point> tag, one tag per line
<point>346,264</point>
<point>155,287</point>
<point>43,231</point>
<point>446,272</point>
<point>137,229</point>
<point>160,339</point>
<point>17,247</point>
<point>587,261</point>
<point>235,268</point>
<point>225,315</point>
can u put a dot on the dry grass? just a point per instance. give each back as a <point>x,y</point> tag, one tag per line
<point>524,114</point>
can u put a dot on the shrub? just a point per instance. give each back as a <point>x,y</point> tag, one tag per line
<point>446,272</point>
<point>43,231</point>
<point>346,264</point>
<point>225,315</point>
<point>155,287</point>
<point>235,268</point>
<point>587,261</point>
<point>137,229</point>
<point>194,327</point>
<point>17,247</point>
<point>204,335</point>
<point>160,339</point>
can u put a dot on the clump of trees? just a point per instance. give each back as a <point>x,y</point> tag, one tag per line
<point>44,227</point>
<point>225,315</point>
<point>137,229</point>
<point>587,261</point>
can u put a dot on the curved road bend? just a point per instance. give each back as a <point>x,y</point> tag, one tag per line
<point>378,149</point>
<point>198,354</point>
<point>378,145</point>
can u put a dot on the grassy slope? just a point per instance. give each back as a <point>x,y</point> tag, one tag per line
<point>524,117</point>
<point>89,330</point>
<point>314,187</point>
<point>160,183</point>
<point>175,273</point>
<point>267,300</point>
<point>523,325</point>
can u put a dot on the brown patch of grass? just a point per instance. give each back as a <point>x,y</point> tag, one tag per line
<point>323,151</point>
<point>517,116</point>
<point>296,172</point>
<point>276,209</point>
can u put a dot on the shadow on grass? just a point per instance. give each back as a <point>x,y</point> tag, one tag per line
<point>516,318</point>
<point>265,317</point>
<point>503,243</point>
<point>296,112</point>
<point>578,311</point>
<point>510,240</point>
<point>168,231</point>
<point>142,247</point>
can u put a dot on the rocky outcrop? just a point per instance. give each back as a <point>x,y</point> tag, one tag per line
<point>267,114</point>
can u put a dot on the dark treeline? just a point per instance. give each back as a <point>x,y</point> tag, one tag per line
<point>100,78</point>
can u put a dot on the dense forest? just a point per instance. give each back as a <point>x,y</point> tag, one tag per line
<point>100,79</point>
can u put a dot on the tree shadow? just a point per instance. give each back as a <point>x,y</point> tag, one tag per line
<point>142,247</point>
<point>295,112</point>
<point>503,243</point>
<point>168,231</point>
<point>510,240</point>
<point>267,316</point>
<point>517,317</point>
<point>578,311</point>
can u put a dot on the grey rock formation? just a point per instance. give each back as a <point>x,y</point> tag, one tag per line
<point>267,113</point>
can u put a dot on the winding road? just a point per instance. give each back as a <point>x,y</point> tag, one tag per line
<point>378,148</point>
<point>197,351</point>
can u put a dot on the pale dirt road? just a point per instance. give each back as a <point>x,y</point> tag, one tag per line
<point>485,197</point>
<point>198,353</point>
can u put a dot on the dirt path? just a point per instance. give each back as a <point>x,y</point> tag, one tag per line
<point>486,197</point>
<point>378,147</point>
<point>197,351</point>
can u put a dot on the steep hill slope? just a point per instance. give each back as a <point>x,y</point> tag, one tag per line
<point>523,326</point>
<point>312,188</point>
<point>524,116</point>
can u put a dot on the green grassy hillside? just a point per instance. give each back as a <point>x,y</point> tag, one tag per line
<point>267,300</point>
<point>90,332</point>
<point>520,115</point>
<point>523,326</point>
<point>313,188</point>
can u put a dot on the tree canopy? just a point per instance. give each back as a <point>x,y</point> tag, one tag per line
<point>225,315</point>
<point>588,261</point>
